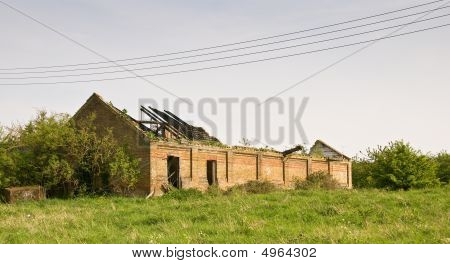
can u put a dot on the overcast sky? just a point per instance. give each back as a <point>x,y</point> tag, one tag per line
<point>396,89</point>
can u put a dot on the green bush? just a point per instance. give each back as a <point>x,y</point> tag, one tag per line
<point>398,166</point>
<point>443,167</point>
<point>102,164</point>
<point>36,153</point>
<point>362,173</point>
<point>50,151</point>
<point>123,173</point>
<point>6,163</point>
<point>255,187</point>
<point>317,180</point>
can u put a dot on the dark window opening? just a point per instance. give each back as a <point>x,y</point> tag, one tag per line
<point>211,172</point>
<point>173,171</point>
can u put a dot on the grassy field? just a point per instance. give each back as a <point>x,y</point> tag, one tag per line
<point>344,216</point>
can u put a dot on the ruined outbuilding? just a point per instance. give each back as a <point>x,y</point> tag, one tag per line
<point>173,152</point>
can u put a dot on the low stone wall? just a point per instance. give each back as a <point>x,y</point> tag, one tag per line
<point>26,193</point>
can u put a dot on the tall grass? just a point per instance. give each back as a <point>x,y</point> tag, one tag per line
<point>254,187</point>
<point>303,216</point>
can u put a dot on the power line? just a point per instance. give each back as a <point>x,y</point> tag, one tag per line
<point>205,48</point>
<point>226,57</point>
<point>370,44</point>
<point>86,48</point>
<point>233,64</point>
<point>216,52</point>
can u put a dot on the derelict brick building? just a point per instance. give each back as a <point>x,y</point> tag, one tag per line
<point>174,152</point>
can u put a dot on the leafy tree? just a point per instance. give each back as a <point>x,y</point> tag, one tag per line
<point>361,173</point>
<point>38,150</point>
<point>51,151</point>
<point>102,164</point>
<point>443,170</point>
<point>123,172</point>
<point>6,163</point>
<point>399,166</point>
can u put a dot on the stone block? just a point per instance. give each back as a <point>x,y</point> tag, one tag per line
<point>26,193</point>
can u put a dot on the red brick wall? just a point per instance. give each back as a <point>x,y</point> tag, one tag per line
<point>236,167</point>
<point>244,168</point>
<point>201,177</point>
<point>317,166</point>
<point>272,169</point>
<point>339,170</point>
<point>192,165</point>
<point>159,154</point>
<point>295,169</point>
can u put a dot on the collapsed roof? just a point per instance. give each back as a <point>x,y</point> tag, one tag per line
<point>167,124</point>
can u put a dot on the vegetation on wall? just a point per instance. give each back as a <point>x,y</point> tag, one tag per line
<point>245,142</point>
<point>52,152</point>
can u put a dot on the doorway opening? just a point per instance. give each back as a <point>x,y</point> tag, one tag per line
<point>173,171</point>
<point>211,172</point>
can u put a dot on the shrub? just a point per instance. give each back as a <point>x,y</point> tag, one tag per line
<point>443,167</point>
<point>255,187</point>
<point>50,151</point>
<point>123,172</point>
<point>37,152</point>
<point>362,173</point>
<point>317,180</point>
<point>399,166</point>
<point>6,163</point>
<point>102,164</point>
